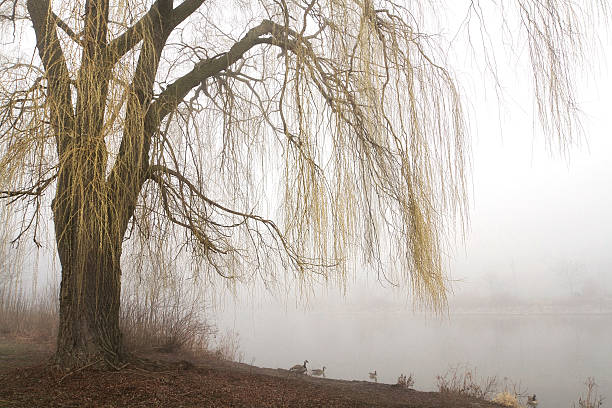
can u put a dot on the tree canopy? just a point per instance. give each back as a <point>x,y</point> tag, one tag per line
<point>311,134</point>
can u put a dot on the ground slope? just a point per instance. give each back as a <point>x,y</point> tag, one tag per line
<point>26,381</point>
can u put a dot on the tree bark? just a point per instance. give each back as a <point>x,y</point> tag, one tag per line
<point>90,293</point>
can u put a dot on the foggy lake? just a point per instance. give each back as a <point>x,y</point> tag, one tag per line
<point>550,355</point>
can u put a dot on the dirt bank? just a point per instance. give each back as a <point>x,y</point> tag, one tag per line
<point>26,381</point>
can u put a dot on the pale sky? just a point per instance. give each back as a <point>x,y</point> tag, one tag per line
<point>535,210</point>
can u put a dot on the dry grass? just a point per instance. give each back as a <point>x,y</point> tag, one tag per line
<point>507,399</point>
<point>34,318</point>
<point>592,399</point>
<point>165,322</point>
<point>462,380</point>
<point>166,329</point>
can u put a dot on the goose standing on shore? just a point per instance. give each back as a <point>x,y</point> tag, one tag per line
<point>299,368</point>
<point>532,401</point>
<point>318,372</point>
<point>374,376</point>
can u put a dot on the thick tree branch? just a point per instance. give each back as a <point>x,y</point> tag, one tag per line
<point>92,90</point>
<point>58,78</point>
<point>61,24</point>
<point>176,91</point>
<point>127,175</point>
<point>133,35</point>
<point>183,11</point>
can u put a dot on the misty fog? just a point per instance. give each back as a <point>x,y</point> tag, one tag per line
<point>530,282</point>
<point>531,295</point>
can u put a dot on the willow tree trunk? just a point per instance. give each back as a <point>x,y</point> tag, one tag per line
<point>90,291</point>
<point>93,206</point>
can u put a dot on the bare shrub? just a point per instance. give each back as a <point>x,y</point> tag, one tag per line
<point>24,313</point>
<point>163,311</point>
<point>166,328</point>
<point>30,317</point>
<point>405,382</point>
<point>228,347</point>
<point>462,380</point>
<point>592,399</point>
<point>153,317</point>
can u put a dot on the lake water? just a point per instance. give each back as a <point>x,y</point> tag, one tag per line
<point>549,355</point>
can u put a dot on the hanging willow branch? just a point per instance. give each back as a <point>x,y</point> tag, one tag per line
<point>315,135</point>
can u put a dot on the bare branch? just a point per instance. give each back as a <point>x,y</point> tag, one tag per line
<point>52,56</point>
<point>61,24</point>
<point>156,170</point>
<point>133,35</point>
<point>176,91</point>
<point>34,190</point>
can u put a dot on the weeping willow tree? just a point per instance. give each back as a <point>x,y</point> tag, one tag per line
<point>264,139</point>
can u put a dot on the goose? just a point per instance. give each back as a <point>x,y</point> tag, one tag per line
<point>318,372</point>
<point>373,376</point>
<point>299,368</point>
<point>532,401</point>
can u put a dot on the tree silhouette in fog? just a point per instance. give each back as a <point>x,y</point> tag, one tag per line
<point>274,139</point>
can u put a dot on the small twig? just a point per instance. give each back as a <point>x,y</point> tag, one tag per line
<point>117,368</point>
<point>78,369</point>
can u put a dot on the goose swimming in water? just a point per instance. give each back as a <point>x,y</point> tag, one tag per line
<point>532,401</point>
